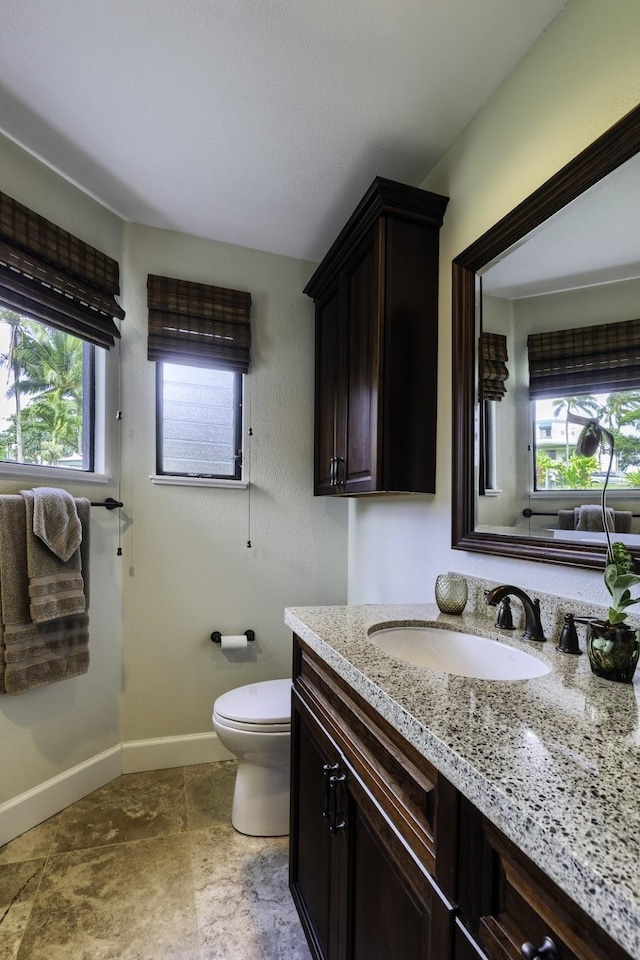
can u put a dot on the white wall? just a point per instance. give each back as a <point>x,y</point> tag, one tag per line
<point>580,77</point>
<point>47,731</point>
<point>187,568</point>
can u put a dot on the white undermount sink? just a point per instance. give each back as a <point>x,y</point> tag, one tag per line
<point>462,654</point>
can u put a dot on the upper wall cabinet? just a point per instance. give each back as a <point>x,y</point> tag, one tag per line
<point>376,297</point>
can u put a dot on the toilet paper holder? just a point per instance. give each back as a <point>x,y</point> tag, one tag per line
<point>216,636</point>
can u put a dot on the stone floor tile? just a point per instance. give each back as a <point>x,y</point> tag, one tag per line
<point>130,901</point>
<point>136,806</point>
<point>18,886</point>
<point>209,789</point>
<point>33,844</point>
<point>244,908</point>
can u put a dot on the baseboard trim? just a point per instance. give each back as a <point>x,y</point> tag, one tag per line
<point>33,807</point>
<point>29,809</point>
<point>139,755</point>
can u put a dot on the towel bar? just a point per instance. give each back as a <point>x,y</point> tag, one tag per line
<point>109,503</point>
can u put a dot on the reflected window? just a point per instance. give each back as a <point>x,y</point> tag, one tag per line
<point>557,466</point>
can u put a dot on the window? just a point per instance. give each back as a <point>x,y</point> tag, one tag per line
<point>46,395</point>
<point>199,429</point>
<point>57,305</point>
<point>200,339</point>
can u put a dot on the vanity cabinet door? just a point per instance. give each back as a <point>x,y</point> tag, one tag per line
<point>361,894</point>
<point>390,894</point>
<point>318,852</point>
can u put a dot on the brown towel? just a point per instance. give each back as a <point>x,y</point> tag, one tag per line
<point>56,588</point>
<point>622,521</point>
<point>589,517</point>
<point>56,521</point>
<point>566,519</point>
<point>35,654</point>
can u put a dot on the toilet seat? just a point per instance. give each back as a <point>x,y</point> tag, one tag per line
<point>284,728</point>
<point>261,707</point>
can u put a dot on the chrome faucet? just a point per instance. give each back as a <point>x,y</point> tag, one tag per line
<point>532,625</point>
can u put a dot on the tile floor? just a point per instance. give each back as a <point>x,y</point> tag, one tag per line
<point>148,868</point>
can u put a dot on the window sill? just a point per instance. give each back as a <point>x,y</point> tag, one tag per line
<point>585,496</point>
<point>198,482</point>
<point>22,471</point>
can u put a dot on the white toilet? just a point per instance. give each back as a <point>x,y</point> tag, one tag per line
<point>254,723</point>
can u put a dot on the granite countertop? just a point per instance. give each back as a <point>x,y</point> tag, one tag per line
<point>553,762</point>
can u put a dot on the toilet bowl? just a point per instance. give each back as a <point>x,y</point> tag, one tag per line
<point>254,723</point>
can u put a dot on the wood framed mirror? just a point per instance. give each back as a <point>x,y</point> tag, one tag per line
<point>614,148</point>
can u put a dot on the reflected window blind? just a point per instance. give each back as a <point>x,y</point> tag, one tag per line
<point>52,276</point>
<point>596,359</point>
<point>493,368</point>
<point>197,324</point>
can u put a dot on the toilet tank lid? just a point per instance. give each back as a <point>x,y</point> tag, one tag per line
<point>265,702</point>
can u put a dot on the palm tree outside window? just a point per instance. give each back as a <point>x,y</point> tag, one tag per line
<point>46,394</point>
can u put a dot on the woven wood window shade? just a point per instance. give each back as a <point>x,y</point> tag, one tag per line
<point>493,366</point>
<point>596,359</point>
<point>50,275</point>
<point>198,325</point>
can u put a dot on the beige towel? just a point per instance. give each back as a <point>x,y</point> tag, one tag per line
<point>589,517</point>
<point>56,588</point>
<point>56,521</point>
<point>34,654</point>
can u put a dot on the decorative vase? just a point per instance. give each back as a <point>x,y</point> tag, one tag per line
<point>451,592</point>
<point>613,650</point>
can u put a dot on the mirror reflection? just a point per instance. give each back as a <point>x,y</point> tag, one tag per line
<point>558,334</point>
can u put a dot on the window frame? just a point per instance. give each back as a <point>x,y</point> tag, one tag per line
<point>166,476</point>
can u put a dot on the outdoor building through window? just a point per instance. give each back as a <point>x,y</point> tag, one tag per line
<point>559,467</point>
<point>46,394</point>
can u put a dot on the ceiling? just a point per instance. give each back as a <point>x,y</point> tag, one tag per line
<point>255,122</point>
<point>591,241</point>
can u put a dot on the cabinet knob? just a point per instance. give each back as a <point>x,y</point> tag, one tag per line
<point>547,951</point>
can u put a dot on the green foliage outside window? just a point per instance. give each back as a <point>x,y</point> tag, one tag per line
<point>43,380</point>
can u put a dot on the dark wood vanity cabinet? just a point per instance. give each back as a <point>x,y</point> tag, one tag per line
<point>359,889</point>
<point>376,297</point>
<point>388,860</point>
<point>511,909</point>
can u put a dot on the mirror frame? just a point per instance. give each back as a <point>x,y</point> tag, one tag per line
<point>617,145</point>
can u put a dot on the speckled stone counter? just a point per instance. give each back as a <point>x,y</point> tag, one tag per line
<point>553,762</point>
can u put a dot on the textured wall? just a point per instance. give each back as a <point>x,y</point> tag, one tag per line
<point>187,569</point>
<point>576,81</point>
<point>46,732</point>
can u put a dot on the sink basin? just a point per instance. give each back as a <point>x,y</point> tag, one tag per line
<point>462,654</point>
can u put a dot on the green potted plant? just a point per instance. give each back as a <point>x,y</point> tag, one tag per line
<point>613,645</point>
